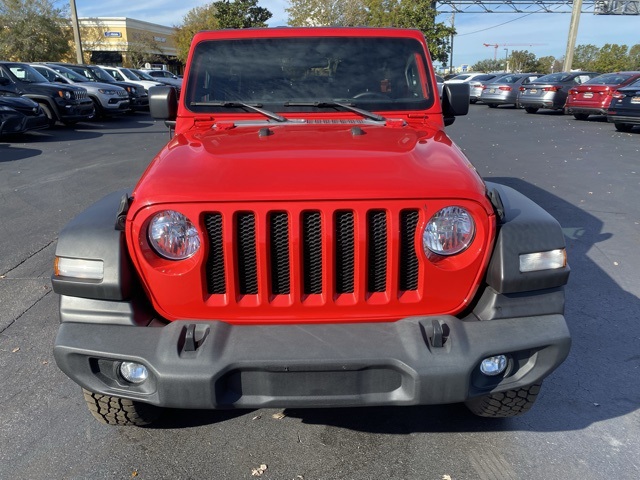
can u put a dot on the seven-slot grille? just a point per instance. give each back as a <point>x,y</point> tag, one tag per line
<point>329,257</point>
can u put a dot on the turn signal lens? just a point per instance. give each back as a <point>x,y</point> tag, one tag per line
<point>78,268</point>
<point>534,262</point>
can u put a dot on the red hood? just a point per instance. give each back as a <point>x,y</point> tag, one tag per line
<point>308,162</point>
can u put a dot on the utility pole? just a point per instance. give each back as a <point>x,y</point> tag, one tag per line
<point>453,19</point>
<point>76,32</point>
<point>573,34</point>
<point>506,60</point>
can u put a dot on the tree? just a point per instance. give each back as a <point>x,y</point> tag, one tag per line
<point>612,58</point>
<point>318,13</point>
<point>217,15</point>
<point>634,57</point>
<point>522,61</point>
<point>418,14</point>
<point>584,56</point>
<point>34,31</point>
<point>142,48</point>
<point>488,65</point>
<point>544,64</point>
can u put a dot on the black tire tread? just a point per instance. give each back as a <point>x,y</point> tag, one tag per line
<point>120,411</point>
<point>505,404</point>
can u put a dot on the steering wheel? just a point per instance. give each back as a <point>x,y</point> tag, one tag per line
<point>370,95</point>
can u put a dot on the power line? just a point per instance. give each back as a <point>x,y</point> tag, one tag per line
<point>499,25</point>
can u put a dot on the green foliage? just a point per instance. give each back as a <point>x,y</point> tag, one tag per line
<point>522,61</point>
<point>419,14</point>
<point>218,15</point>
<point>634,57</point>
<point>545,65</point>
<point>488,65</point>
<point>612,58</point>
<point>584,56</point>
<point>34,31</point>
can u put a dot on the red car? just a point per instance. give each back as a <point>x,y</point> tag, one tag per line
<point>594,96</point>
<point>310,237</point>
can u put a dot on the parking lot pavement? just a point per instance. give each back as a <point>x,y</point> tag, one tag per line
<point>585,424</point>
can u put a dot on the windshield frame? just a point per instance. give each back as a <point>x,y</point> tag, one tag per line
<point>321,52</point>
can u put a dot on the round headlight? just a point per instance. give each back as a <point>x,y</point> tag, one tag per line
<point>173,236</point>
<point>449,231</point>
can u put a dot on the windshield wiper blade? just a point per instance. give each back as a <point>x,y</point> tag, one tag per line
<point>248,106</point>
<point>334,104</point>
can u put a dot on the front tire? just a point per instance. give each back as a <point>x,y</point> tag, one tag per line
<point>530,109</point>
<point>120,411</point>
<point>580,116</point>
<point>49,113</point>
<point>492,105</point>
<point>505,404</point>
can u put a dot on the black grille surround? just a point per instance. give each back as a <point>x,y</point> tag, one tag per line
<point>336,250</point>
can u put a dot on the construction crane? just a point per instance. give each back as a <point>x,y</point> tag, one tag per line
<point>495,46</point>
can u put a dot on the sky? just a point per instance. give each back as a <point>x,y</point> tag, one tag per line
<point>514,31</point>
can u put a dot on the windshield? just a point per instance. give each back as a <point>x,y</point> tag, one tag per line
<point>70,74</point>
<point>609,79</point>
<point>299,74</point>
<point>129,74</point>
<point>100,74</point>
<point>143,75</point>
<point>554,77</point>
<point>26,73</point>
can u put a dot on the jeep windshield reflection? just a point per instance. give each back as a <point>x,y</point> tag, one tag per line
<point>309,75</point>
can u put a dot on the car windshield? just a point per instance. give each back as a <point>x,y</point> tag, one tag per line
<point>129,74</point>
<point>609,79</point>
<point>70,74</point>
<point>554,77</point>
<point>507,79</point>
<point>143,75</point>
<point>26,73</point>
<point>307,74</point>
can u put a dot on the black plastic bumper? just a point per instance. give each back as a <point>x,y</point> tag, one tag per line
<point>217,365</point>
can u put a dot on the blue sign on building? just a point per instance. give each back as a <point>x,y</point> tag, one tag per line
<point>113,34</point>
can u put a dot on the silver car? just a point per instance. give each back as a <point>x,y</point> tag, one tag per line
<point>107,99</point>
<point>551,91</point>
<point>504,90</point>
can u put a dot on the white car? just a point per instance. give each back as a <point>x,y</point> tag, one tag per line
<point>464,77</point>
<point>125,75</point>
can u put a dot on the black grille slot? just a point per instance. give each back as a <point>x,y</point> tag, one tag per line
<point>345,252</point>
<point>279,241</point>
<point>247,268</point>
<point>409,268</point>
<point>377,250</point>
<point>215,261</point>
<point>312,252</point>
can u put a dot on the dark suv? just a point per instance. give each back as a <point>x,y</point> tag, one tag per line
<point>64,103</point>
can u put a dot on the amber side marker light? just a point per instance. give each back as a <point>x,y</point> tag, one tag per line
<point>534,262</point>
<point>78,268</point>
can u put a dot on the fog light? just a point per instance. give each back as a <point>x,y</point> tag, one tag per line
<point>134,372</point>
<point>493,366</point>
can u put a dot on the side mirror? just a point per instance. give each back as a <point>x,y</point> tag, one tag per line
<point>163,102</point>
<point>455,101</point>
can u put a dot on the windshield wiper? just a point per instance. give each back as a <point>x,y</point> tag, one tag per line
<point>253,108</point>
<point>334,104</point>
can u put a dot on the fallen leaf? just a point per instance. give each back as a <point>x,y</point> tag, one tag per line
<point>256,472</point>
<point>446,477</point>
<point>134,473</point>
<point>45,363</point>
<point>15,350</point>
<point>278,416</point>
<point>257,417</point>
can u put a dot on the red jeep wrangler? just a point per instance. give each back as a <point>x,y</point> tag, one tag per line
<point>310,237</point>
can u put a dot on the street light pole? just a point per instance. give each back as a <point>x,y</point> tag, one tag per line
<point>506,61</point>
<point>573,33</point>
<point>76,32</point>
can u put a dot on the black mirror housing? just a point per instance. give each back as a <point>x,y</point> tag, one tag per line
<point>455,101</point>
<point>163,102</point>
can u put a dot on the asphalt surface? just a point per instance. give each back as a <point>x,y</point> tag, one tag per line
<point>585,424</point>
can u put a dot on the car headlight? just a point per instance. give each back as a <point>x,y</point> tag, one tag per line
<point>107,92</point>
<point>65,94</point>
<point>448,231</point>
<point>173,236</point>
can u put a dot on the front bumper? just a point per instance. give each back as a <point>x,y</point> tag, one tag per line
<point>214,364</point>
